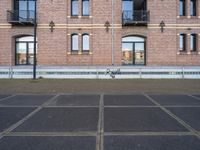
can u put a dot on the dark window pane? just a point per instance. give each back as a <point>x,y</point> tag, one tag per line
<point>74,8</point>
<point>182,42</point>
<point>193,7</point>
<point>75,42</point>
<point>86,43</point>
<point>193,42</point>
<point>182,8</point>
<point>86,7</point>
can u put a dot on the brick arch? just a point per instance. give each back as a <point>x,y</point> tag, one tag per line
<point>135,32</point>
<point>136,35</point>
<point>23,32</point>
<point>20,35</point>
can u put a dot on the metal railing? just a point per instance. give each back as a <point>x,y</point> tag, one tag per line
<point>101,72</point>
<point>137,16</point>
<point>21,16</point>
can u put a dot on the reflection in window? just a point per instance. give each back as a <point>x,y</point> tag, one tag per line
<point>25,9</point>
<point>127,5</point>
<point>74,8</point>
<point>24,50</point>
<point>182,8</point>
<point>127,9</point>
<point>86,42</point>
<point>182,41</point>
<point>193,39</point>
<point>74,42</point>
<point>85,7</point>
<point>192,7</point>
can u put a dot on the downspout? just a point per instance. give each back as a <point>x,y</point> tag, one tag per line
<point>113,37</point>
<point>35,41</point>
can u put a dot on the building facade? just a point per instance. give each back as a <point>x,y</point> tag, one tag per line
<point>100,32</point>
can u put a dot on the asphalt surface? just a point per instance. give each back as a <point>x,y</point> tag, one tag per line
<point>100,122</point>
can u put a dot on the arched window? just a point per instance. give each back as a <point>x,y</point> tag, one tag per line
<point>85,7</point>
<point>85,42</point>
<point>24,50</point>
<point>74,42</point>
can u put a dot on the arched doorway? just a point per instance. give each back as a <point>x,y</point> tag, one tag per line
<point>133,50</point>
<point>24,50</point>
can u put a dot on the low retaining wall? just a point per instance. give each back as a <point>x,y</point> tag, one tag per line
<point>100,72</point>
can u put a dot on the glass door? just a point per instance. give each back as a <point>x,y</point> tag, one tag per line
<point>127,9</point>
<point>30,53</point>
<point>139,53</point>
<point>133,50</point>
<point>21,53</point>
<point>127,53</point>
<point>22,10</point>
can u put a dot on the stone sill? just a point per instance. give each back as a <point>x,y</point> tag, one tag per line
<point>80,53</point>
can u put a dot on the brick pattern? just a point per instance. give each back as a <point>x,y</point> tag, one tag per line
<point>54,47</point>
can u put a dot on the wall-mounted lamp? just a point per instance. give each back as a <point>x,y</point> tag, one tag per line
<point>162,25</point>
<point>107,25</point>
<point>52,25</point>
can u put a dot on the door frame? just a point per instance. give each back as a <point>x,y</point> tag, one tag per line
<point>27,51</point>
<point>133,48</point>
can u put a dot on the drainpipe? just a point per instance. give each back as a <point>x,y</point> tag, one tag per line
<point>35,36</point>
<point>113,37</point>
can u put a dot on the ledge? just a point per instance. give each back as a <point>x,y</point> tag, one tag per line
<point>80,53</point>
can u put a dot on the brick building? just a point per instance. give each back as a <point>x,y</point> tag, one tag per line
<point>100,32</point>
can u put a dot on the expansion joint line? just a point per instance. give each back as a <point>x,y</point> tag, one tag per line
<point>99,139</point>
<point>14,126</point>
<point>5,98</point>
<point>183,123</point>
<point>197,98</point>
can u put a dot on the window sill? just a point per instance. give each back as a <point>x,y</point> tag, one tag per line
<point>182,17</point>
<point>182,53</point>
<point>80,53</point>
<point>86,52</point>
<point>73,17</point>
<point>194,17</point>
<point>188,53</point>
<point>194,52</point>
<point>73,53</point>
<point>85,17</point>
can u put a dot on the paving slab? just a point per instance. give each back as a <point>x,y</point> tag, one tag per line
<point>48,143</point>
<point>190,115</point>
<point>76,100</point>
<point>139,120</point>
<point>9,116</point>
<point>3,96</point>
<point>175,100</point>
<point>26,100</point>
<point>126,100</point>
<point>62,120</point>
<point>151,143</point>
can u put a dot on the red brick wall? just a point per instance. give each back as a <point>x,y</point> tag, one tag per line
<point>54,48</point>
